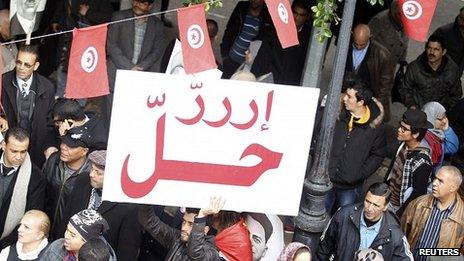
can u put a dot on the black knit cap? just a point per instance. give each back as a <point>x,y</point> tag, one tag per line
<point>89,223</point>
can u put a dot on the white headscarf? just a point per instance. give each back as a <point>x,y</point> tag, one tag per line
<point>434,111</point>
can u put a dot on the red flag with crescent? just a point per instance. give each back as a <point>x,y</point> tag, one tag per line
<point>416,16</point>
<point>87,74</point>
<point>196,46</point>
<point>282,17</point>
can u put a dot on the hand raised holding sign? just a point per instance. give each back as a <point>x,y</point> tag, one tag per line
<point>215,205</point>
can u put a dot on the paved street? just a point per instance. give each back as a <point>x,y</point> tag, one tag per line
<point>445,13</point>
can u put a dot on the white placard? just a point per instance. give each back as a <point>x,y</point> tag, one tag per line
<point>177,140</point>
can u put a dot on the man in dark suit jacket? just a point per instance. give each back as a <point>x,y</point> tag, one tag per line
<point>133,45</point>
<point>125,233</point>
<point>22,186</point>
<point>126,48</point>
<point>27,100</point>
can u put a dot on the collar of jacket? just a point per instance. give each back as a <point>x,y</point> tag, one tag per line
<point>456,215</point>
<point>384,235</point>
<point>37,88</point>
<point>425,64</point>
<point>376,110</point>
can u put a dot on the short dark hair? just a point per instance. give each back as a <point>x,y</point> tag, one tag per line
<point>380,189</point>
<point>209,219</point>
<point>192,210</point>
<point>213,28</point>
<point>363,93</point>
<point>18,133</point>
<point>68,109</point>
<point>94,249</point>
<point>437,38</point>
<point>32,49</point>
<point>419,131</point>
<point>227,219</point>
<point>145,1</point>
<point>305,4</point>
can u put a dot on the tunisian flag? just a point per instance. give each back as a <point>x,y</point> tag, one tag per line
<point>196,46</point>
<point>282,17</point>
<point>416,16</point>
<point>87,74</point>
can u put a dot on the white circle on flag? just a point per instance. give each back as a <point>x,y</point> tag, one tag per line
<point>412,9</point>
<point>89,59</point>
<point>283,13</point>
<point>195,36</point>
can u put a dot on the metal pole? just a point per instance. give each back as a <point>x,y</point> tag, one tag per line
<point>314,60</point>
<point>312,217</point>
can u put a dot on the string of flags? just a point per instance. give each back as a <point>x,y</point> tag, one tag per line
<point>87,63</point>
<point>87,74</point>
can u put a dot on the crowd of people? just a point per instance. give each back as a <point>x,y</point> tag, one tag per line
<point>53,153</point>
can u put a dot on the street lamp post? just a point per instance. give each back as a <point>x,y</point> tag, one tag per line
<point>312,217</point>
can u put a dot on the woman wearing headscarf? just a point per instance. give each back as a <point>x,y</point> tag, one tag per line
<point>442,138</point>
<point>295,251</point>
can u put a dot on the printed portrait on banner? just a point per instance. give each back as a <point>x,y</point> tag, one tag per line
<point>25,15</point>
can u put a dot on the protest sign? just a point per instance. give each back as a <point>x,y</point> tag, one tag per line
<point>177,140</point>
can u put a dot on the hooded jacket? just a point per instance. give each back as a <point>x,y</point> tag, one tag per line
<point>358,153</point>
<point>416,174</point>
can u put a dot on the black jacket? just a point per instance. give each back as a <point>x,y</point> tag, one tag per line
<point>341,238</point>
<point>35,199</point>
<point>41,124</point>
<point>286,64</point>
<point>124,233</point>
<point>198,247</point>
<point>454,43</point>
<point>233,28</point>
<point>58,190</point>
<point>421,84</point>
<point>357,154</point>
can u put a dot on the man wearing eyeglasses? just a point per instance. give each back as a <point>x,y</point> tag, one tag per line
<point>409,173</point>
<point>27,100</point>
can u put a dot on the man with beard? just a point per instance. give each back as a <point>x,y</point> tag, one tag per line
<point>433,76</point>
<point>192,241</point>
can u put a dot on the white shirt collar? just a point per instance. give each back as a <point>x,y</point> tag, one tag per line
<point>34,254</point>
<point>2,162</point>
<point>28,82</point>
<point>26,24</point>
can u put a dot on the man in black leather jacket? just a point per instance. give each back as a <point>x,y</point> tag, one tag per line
<point>192,241</point>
